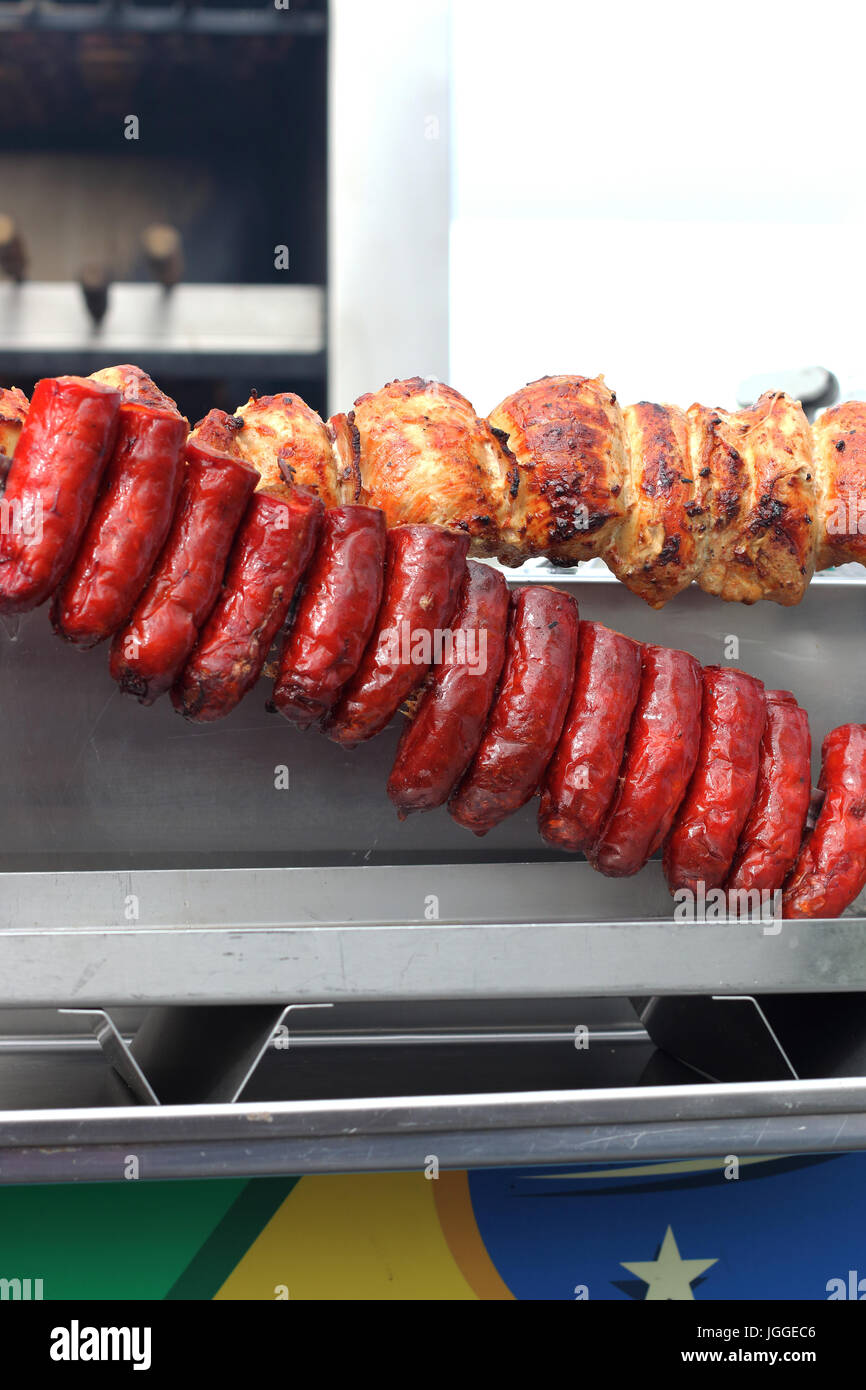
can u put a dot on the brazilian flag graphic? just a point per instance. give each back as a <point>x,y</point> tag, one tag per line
<point>759,1228</point>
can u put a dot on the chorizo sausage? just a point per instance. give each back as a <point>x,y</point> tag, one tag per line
<point>437,745</point>
<point>830,870</point>
<point>581,779</point>
<point>423,571</point>
<point>660,754</point>
<point>128,526</point>
<point>773,831</point>
<point>702,844</point>
<point>528,712</point>
<point>271,551</point>
<point>335,614</point>
<point>51,486</point>
<point>148,653</point>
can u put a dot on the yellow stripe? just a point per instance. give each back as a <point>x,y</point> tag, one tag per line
<point>360,1236</point>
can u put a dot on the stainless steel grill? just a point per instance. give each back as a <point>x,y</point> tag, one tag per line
<point>153,866</point>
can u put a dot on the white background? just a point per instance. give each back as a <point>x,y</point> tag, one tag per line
<point>672,194</point>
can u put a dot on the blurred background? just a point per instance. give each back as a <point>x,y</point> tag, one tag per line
<point>159,156</point>
<point>672,194</point>
<point>292,194</point>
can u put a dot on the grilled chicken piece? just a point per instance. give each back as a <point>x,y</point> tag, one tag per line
<point>839,437</point>
<point>226,432</point>
<point>425,456</point>
<point>220,431</point>
<point>733,500</point>
<point>761,540</point>
<point>14,406</point>
<point>347,456</point>
<point>660,546</point>
<point>283,438</point>
<point>565,434</point>
<point>289,443</point>
<point>135,385</point>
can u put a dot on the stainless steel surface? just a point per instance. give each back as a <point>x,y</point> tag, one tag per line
<point>233,321</point>
<point>118,1054</point>
<point>321,1051</point>
<point>193,1056</point>
<point>94,780</point>
<point>312,935</point>
<point>542,1127</point>
<point>345,1051</point>
<point>321,893</point>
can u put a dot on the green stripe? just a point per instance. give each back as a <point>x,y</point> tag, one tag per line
<point>230,1240</point>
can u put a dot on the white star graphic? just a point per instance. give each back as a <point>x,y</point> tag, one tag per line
<point>669,1276</point>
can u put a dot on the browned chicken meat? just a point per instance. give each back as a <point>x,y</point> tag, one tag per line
<point>283,439</point>
<point>661,544</point>
<point>839,457</point>
<point>13,412</point>
<point>747,504</point>
<point>423,455</point>
<point>565,434</point>
<point>135,386</point>
<point>761,538</point>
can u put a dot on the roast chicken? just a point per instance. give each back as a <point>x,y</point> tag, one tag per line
<point>747,504</point>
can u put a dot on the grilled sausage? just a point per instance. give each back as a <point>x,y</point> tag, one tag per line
<point>660,755</point>
<point>830,870</point>
<point>581,778</point>
<point>52,485</point>
<point>528,713</point>
<point>707,827</point>
<point>148,653</point>
<point>128,526</point>
<point>773,831</point>
<point>271,551</point>
<point>437,745</point>
<point>335,615</point>
<point>423,571</point>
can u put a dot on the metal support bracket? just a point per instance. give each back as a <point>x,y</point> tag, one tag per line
<point>185,1055</point>
<point>764,1037</point>
<point>725,1037</point>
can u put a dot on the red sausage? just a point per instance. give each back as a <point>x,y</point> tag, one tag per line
<point>660,755</point>
<point>771,837</point>
<point>581,779</point>
<point>335,615</point>
<point>128,526</point>
<point>528,713</point>
<point>271,551</point>
<point>831,869</point>
<point>52,485</point>
<point>149,652</point>
<point>423,572</point>
<point>436,746</point>
<point>707,827</point>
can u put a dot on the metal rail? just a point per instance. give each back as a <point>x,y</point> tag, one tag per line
<point>509,1128</point>
<point>255,936</point>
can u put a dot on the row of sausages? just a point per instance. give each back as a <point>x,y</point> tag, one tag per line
<point>169,547</point>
